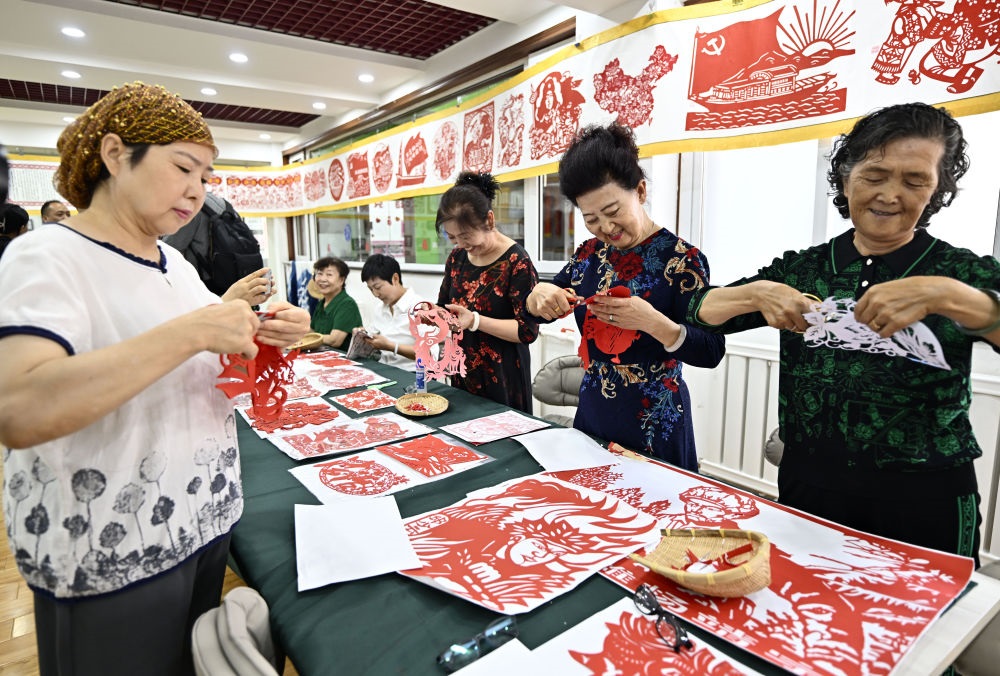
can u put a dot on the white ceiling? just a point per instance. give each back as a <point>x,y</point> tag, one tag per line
<point>184,54</point>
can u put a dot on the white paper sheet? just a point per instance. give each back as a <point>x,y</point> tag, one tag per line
<point>350,541</point>
<point>563,448</point>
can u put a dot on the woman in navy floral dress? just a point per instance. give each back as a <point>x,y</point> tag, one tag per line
<point>487,279</point>
<point>636,277</point>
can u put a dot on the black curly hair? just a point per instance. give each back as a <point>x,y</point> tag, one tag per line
<point>469,201</point>
<point>597,156</point>
<point>907,120</point>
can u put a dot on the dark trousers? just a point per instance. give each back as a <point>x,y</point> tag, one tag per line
<point>937,509</point>
<point>143,629</point>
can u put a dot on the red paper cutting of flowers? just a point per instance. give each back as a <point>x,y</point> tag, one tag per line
<point>264,377</point>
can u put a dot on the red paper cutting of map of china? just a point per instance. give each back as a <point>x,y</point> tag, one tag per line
<point>840,601</point>
<point>515,546</point>
<point>387,469</point>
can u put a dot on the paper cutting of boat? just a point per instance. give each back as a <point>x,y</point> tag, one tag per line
<point>763,87</point>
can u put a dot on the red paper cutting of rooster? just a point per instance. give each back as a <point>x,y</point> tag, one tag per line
<point>764,70</point>
<point>432,326</point>
<point>518,545</point>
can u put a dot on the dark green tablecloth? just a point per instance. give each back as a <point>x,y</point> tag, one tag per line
<point>387,624</point>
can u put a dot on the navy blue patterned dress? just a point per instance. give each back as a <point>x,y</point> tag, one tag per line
<point>642,401</point>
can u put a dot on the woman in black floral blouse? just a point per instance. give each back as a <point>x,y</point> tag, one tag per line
<point>487,278</point>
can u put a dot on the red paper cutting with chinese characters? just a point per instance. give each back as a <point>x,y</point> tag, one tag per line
<point>431,455</point>
<point>515,546</point>
<point>840,601</point>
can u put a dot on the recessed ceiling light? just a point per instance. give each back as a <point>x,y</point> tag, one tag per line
<point>238,57</point>
<point>319,105</point>
<point>208,91</point>
<point>265,137</point>
<point>366,78</point>
<point>73,32</point>
<point>71,74</point>
<point>69,119</point>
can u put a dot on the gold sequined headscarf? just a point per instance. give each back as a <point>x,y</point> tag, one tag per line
<point>139,114</point>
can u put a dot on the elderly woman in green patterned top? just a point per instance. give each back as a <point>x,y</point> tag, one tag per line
<point>875,440</point>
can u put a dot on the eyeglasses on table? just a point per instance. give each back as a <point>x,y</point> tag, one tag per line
<point>493,636</point>
<point>667,625</point>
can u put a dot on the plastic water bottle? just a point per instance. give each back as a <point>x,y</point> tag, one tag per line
<point>421,383</point>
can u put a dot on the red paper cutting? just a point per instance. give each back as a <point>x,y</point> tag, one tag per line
<point>295,414</point>
<point>608,338</point>
<point>263,377</point>
<point>431,456</point>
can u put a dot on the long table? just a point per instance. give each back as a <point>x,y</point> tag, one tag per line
<point>393,625</point>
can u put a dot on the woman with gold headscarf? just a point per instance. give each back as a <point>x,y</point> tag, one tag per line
<point>122,478</point>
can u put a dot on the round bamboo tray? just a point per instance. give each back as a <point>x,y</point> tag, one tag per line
<point>421,404</point>
<point>715,562</point>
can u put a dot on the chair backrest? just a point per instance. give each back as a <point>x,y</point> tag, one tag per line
<point>558,382</point>
<point>235,638</point>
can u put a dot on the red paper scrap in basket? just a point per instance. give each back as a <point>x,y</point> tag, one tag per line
<point>263,377</point>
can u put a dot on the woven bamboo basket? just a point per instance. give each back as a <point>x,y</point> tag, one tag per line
<point>419,404</point>
<point>715,562</point>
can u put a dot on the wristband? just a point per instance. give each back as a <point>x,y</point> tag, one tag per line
<point>395,350</point>
<point>995,295</point>
<point>475,322</point>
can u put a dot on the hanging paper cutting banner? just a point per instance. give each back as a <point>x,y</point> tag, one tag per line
<point>716,77</point>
